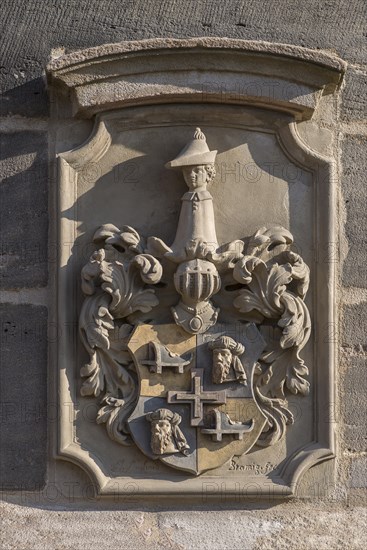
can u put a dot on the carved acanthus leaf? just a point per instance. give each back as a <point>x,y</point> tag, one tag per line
<point>226,256</point>
<point>149,267</point>
<point>286,370</point>
<point>300,272</point>
<point>109,372</point>
<point>265,240</point>
<point>114,413</point>
<point>266,285</point>
<point>278,417</point>
<point>275,281</point>
<point>157,248</point>
<point>103,372</point>
<point>295,321</point>
<point>114,282</point>
<point>128,239</point>
<point>123,280</point>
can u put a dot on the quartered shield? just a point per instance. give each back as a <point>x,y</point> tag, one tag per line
<point>187,415</point>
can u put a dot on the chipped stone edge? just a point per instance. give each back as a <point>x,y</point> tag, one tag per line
<point>317,57</point>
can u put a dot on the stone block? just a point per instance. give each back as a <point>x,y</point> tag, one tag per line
<point>354,438</point>
<point>355,391</point>
<point>24,209</point>
<point>23,396</point>
<point>354,161</point>
<point>354,102</point>
<point>354,405</point>
<point>358,472</point>
<point>354,325</point>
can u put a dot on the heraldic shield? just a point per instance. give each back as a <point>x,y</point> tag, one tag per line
<point>196,407</point>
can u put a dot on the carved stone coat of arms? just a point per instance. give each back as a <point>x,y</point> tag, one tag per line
<point>195,274</point>
<point>207,386</point>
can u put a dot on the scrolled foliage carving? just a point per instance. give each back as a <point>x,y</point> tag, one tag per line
<point>275,281</point>
<point>114,282</point>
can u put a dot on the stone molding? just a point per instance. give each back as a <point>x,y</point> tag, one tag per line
<point>219,70</point>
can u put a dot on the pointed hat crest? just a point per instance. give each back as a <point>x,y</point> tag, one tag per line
<point>195,152</point>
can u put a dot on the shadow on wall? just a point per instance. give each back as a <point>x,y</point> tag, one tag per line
<point>29,99</point>
<point>24,184</point>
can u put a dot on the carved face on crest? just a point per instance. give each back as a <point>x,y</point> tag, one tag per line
<point>166,437</point>
<point>161,440</point>
<point>198,176</point>
<point>222,359</point>
<point>226,353</point>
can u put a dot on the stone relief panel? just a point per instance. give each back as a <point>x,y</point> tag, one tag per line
<point>196,281</point>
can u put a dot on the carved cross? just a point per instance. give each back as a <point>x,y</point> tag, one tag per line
<point>197,397</point>
<point>223,426</point>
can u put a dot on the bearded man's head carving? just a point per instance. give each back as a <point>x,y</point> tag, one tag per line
<point>166,436</point>
<point>226,354</point>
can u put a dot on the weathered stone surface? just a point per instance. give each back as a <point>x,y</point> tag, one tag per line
<point>354,326</point>
<point>354,166</point>
<point>76,25</point>
<point>354,102</point>
<point>358,472</point>
<point>23,395</point>
<point>156,70</point>
<point>355,391</point>
<point>354,437</point>
<point>24,209</point>
<point>354,405</point>
<point>313,526</point>
<point>23,97</point>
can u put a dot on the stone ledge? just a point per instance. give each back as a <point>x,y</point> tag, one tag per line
<point>286,50</point>
<point>201,70</point>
